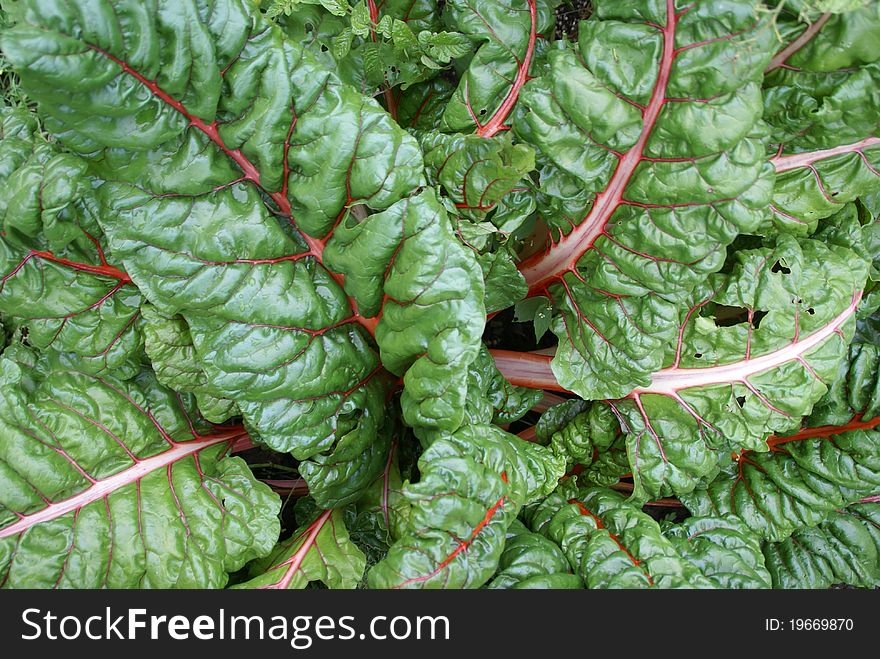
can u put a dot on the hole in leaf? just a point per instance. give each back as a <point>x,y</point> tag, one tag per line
<point>811,311</point>
<point>324,48</point>
<point>697,355</point>
<point>778,267</point>
<point>482,112</point>
<point>741,401</point>
<point>726,316</point>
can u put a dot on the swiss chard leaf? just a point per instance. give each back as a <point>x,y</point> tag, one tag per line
<point>172,354</point>
<point>843,549</point>
<point>671,163</point>
<point>472,486</point>
<point>53,256</point>
<point>489,90</point>
<point>830,463</point>
<point>782,315</point>
<point>612,544</point>
<point>821,84</point>
<point>201,158</point>
<point>321,552</point>
<point>530,560</point>
<point>110,483</point>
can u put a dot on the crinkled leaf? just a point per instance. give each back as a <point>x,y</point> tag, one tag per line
<point>491,398</point>
<point>824,93</point>
<point>813,185</point>
<point>383,510</point>
<point>110,483</point>
<point>832,462</point>
<point>557,416</point>
<point>320,552</point>
<point>724,549</point>
<point>755,351</point>
<point>172,354</point>
<point>671,161</point>
<point>612,544</point>
<point>203,156</point>
<point>504,285</point>
<point>421,107</point>
<point>530,560</point>
<point>54,273</point>
<point>431,302</point>
<point>585,436</point>
<point>474,171</point>
<point>843,549</point>
<point>507,31</point>
<point>472,486</point>
<point>855,390</point>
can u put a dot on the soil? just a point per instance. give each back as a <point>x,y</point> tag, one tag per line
<point>569,15</point>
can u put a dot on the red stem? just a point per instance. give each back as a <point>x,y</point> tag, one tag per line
<point>855,423</point>
<point>809,158</point>
<point>296,486</point>
<point>527,369</point>
<point>496,123</point>
<point>105,270</point>
<point>544,268</point>
<point>798,43</point>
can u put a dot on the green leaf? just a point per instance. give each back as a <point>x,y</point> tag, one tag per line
<point>336,7</point>
<point>557,417</point>
<point>855,390</point>
<point>433,314</point>
<point>342,43</point>
<point>172,354</point>
<point>586,436</point>
<point>117,484</point>
<point>672,166</point>
<point>223,205</point>
<point>813,185</point>
<point>444,46</point>
<point>806,476</point>
<point>417,14</point>
<point>475,172</point>
<point>320,552</point>
<point>421,107</point>
<point>361,23</point>
<point>506,35</point>
<point>530,560</point>
<point>504,285</point>
<point>472,486</point>
<point>538,310</point>
<point>843,549</point>
<point>722,548</point>
<point>404,39</point>
<point>824,93</point>
<point>491,398</point>
<point>612,544</point>
<point>383,511</point>
<point>53,256</point>
<point>755,352</point>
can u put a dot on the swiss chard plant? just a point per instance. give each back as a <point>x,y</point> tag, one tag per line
<point>440,294</point>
